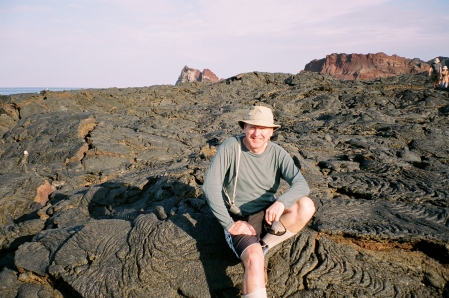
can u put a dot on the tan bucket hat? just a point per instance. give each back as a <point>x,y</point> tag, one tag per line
<point>260,116</point>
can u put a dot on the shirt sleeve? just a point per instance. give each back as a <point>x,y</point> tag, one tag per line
<point>213,184</point>
<point>298,184</point>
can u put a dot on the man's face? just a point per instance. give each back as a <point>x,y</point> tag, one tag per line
<point>257,137</point>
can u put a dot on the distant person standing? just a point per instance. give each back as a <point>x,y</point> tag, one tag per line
<point>445,77</point>
<point>435,72</point>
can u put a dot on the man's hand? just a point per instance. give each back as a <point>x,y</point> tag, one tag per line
<point>274,212</point>
<point>241,227</point>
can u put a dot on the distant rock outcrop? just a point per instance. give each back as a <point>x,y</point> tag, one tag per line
<point>366,66</point>
<point>194,75</point>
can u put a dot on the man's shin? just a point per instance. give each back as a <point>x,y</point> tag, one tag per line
<point>272,240</point>
<point>259,293</point>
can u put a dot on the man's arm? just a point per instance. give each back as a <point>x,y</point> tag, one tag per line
<point>298,188</point>
<point>213,185</point>
<point>298,184</point>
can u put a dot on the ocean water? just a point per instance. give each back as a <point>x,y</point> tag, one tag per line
<point>19,90</point>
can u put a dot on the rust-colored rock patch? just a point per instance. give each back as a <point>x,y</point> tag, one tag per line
<point>43,192</point>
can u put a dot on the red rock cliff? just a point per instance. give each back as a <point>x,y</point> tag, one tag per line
<point>194,75</point>
<point>366,66</point>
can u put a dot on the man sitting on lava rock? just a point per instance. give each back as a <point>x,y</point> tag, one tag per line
<point>240,188</point>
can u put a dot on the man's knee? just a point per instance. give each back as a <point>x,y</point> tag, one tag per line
<point>253,257</point>
<point>305,208</point>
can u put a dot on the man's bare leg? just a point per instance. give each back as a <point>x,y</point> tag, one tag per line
<point>296,217</point>
<point>254,276</point>
<point>294,220</point>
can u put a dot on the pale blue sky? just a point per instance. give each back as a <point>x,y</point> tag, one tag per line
<point>135,43</point>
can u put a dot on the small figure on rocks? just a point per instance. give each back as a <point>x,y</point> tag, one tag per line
<point>24,161</point>
<point>435,72</point>
<point>240,188</point>
<point>444,77</point>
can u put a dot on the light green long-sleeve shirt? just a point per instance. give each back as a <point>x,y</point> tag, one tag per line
<point>258,179</point>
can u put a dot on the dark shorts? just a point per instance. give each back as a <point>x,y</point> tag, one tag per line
<point>239,243</point>
<point>435,77</point>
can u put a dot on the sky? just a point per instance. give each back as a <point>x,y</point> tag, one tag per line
<point>136,43</point>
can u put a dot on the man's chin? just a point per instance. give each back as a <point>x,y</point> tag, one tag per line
<point>256,146</point>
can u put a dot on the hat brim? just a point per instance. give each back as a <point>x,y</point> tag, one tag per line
<point>258,123</point>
